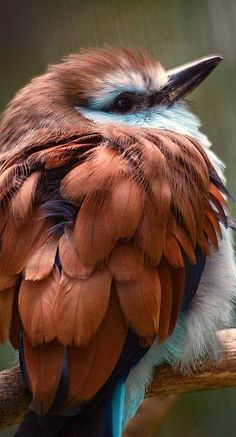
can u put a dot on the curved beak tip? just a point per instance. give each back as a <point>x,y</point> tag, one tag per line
<point>219,57</point>
<point>216,58</point>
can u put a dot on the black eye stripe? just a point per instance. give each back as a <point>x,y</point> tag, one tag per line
<point>128,102</point>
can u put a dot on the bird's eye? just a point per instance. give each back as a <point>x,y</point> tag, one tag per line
<point>123,104</point>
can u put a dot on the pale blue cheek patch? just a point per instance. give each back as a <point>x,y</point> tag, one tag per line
<point>177,118</point>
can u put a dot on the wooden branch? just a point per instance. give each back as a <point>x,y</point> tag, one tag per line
<point>210,375</point>
<point>14,396</point>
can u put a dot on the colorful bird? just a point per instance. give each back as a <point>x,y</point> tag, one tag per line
<point>116,254</point>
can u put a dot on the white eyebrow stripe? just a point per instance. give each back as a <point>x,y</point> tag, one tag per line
<point>109,86</point>
<point>132,81</point>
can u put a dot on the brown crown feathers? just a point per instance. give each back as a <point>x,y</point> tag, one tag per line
<point>43,110</point>
<point>141,199</point>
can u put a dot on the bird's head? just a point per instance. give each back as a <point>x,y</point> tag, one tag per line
<point>119,86</point>
<point>124,83</point>
<point>106,86</point>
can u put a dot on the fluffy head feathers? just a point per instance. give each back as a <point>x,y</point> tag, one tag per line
<point>92,77</point>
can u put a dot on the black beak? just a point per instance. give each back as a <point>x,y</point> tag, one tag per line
<point>184,79</point>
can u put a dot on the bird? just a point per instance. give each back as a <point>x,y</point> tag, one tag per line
<point>116,245</point>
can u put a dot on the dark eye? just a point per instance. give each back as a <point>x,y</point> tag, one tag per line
<point>123,104</point>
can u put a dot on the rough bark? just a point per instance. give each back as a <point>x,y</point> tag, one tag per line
<point>14,397</point>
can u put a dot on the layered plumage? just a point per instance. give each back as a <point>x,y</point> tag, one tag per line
<point>99,223</point>
<point>140,201</point>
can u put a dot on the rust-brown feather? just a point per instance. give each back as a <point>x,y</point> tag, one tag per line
<point>41,263</point>
<point>22,202</point>
<point>140,301</point>
<point>126,263</point>
<point>80,307</point>
<point>36,303</point>
<point>101,169</point>
<point>151,234</point>
<point>69,257</point>
<point>44,366</point>
<point>18,241</point>
<point>91,363</point>
<point>92,238</point>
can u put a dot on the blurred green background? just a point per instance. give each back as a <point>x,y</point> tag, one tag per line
<point>34,33</point>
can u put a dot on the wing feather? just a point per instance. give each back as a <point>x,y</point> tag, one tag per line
<point>95,363</point>
<point>80,307</point>
<point>151,234</point>
<point>126,263</point>
<point>22,202</point>
<point>172,252</point>
<point>93,243</point>
<point>41,263</point>
<point>101,169</point>
<point>44,367</point>
<point>19,240</point>
<point>69,258</point>
<point>140,302</point>
<point>124,209</point>
<point>36,303</point>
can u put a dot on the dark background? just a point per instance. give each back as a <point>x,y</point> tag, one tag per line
<point>35,33</point>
